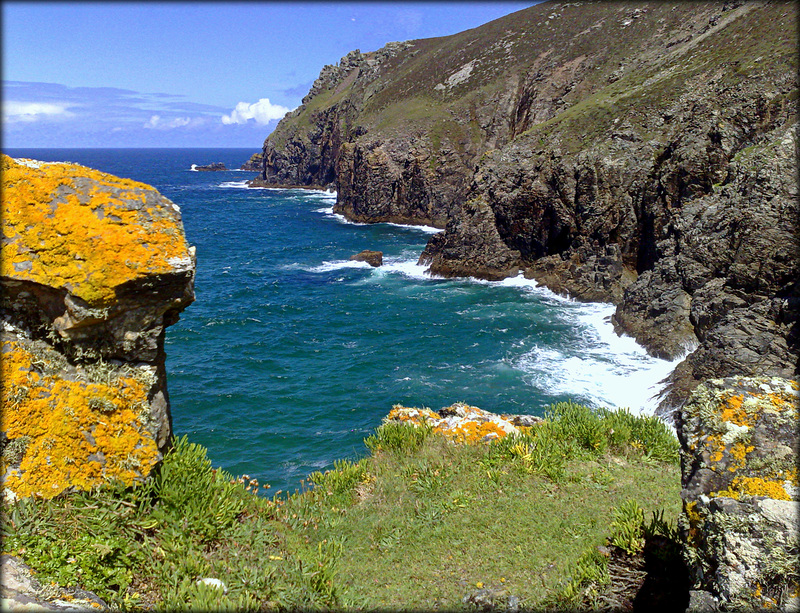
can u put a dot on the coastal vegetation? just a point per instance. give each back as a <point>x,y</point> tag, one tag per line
<point>545,519</point>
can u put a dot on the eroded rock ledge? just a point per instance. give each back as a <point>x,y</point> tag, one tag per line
<point>94,268</point>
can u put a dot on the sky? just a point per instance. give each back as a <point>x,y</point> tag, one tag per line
<point>189,74</point>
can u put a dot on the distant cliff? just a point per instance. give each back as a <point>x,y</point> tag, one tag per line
<point>643,154</point>
<point>94,268</point>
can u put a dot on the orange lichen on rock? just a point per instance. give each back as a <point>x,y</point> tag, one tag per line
<point>459,422</point>
<point>473,431</point>
<point>754,486</point>
<point>413,415</point>
<point>78,432</point>
<point>71,227</point>
<point>732,411</point>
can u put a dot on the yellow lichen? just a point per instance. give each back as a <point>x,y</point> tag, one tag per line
<point>754,486</point>
<point>733,411</point>
<point>71,442</point>
<point>716,448</point>
<point>738,453</point>
<point>471,431</point>
<point>57,234</point>
<point>416,416</point>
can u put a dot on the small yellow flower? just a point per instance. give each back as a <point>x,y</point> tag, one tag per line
<point>502,579</point>
<point>479,584</point>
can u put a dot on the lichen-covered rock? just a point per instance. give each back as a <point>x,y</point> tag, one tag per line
<point>463,423</point>
<point>94,267</point>
<point>741,516</point>
<point>20,591</point>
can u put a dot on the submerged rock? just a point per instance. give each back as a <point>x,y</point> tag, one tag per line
<point>741,516</point>
<point>94,268</point>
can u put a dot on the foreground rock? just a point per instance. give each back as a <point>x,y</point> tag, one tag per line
<point>373,258</point>
<point>94,268</point>
<point>638,154</point>
<point>463,423</point>
<point>741,515</point>
<point>20,591</point>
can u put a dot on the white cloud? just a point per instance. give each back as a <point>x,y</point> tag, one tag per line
<point>15,111</point>
<point>262,111</point>
<point>156,122</point>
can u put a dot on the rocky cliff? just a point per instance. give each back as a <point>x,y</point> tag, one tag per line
<point>639,153</point>
<point>94,268</point>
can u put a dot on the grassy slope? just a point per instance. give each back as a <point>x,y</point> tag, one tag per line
<point>656,50</point>
<point>419,523</point>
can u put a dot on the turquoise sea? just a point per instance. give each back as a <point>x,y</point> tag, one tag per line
<point>292,353</point>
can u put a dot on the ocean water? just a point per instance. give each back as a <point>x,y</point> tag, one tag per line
<point>292,353</point>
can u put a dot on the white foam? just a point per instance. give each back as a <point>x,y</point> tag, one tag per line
<point>602,368</point>
<point>235,184</point>
<point>421,228</point>
<point>328,212</point>
<point>318,193</point>
<point>194,168</point>
<point>407,268</point>
<point>338,265</point>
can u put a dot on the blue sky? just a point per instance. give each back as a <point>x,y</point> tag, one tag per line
<point>200,74</point>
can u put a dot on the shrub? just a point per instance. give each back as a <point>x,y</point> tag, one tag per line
<point>627,528</point>
<point>342,479</point>
<point>399,437</point>
<point>193,496</point>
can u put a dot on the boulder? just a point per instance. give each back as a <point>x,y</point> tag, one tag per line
<point>741,517</point>
<point>373,258</point>
<point>94,268</point>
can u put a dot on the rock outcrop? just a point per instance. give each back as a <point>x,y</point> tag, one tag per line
<point>741,496</point>
<point>21,591</point>
<point>642,154</point>
<point>255,163</point>
<point>463,423</point>
<point>94,268</point>
<point>373,258</point>
<point>214,166</point>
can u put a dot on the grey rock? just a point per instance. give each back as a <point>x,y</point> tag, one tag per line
<point>701,602</point>
<point>20,591</point>
<point>609,167</point>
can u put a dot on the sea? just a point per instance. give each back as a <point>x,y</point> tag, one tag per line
<point>292,353</point>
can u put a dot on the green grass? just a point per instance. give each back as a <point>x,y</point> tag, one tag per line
<point>420,523</point>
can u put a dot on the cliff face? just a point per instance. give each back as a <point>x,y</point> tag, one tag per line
<point>642,154</point>
<point>93,269</point>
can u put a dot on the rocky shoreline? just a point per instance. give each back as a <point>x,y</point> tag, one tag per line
<point>633,155</point>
